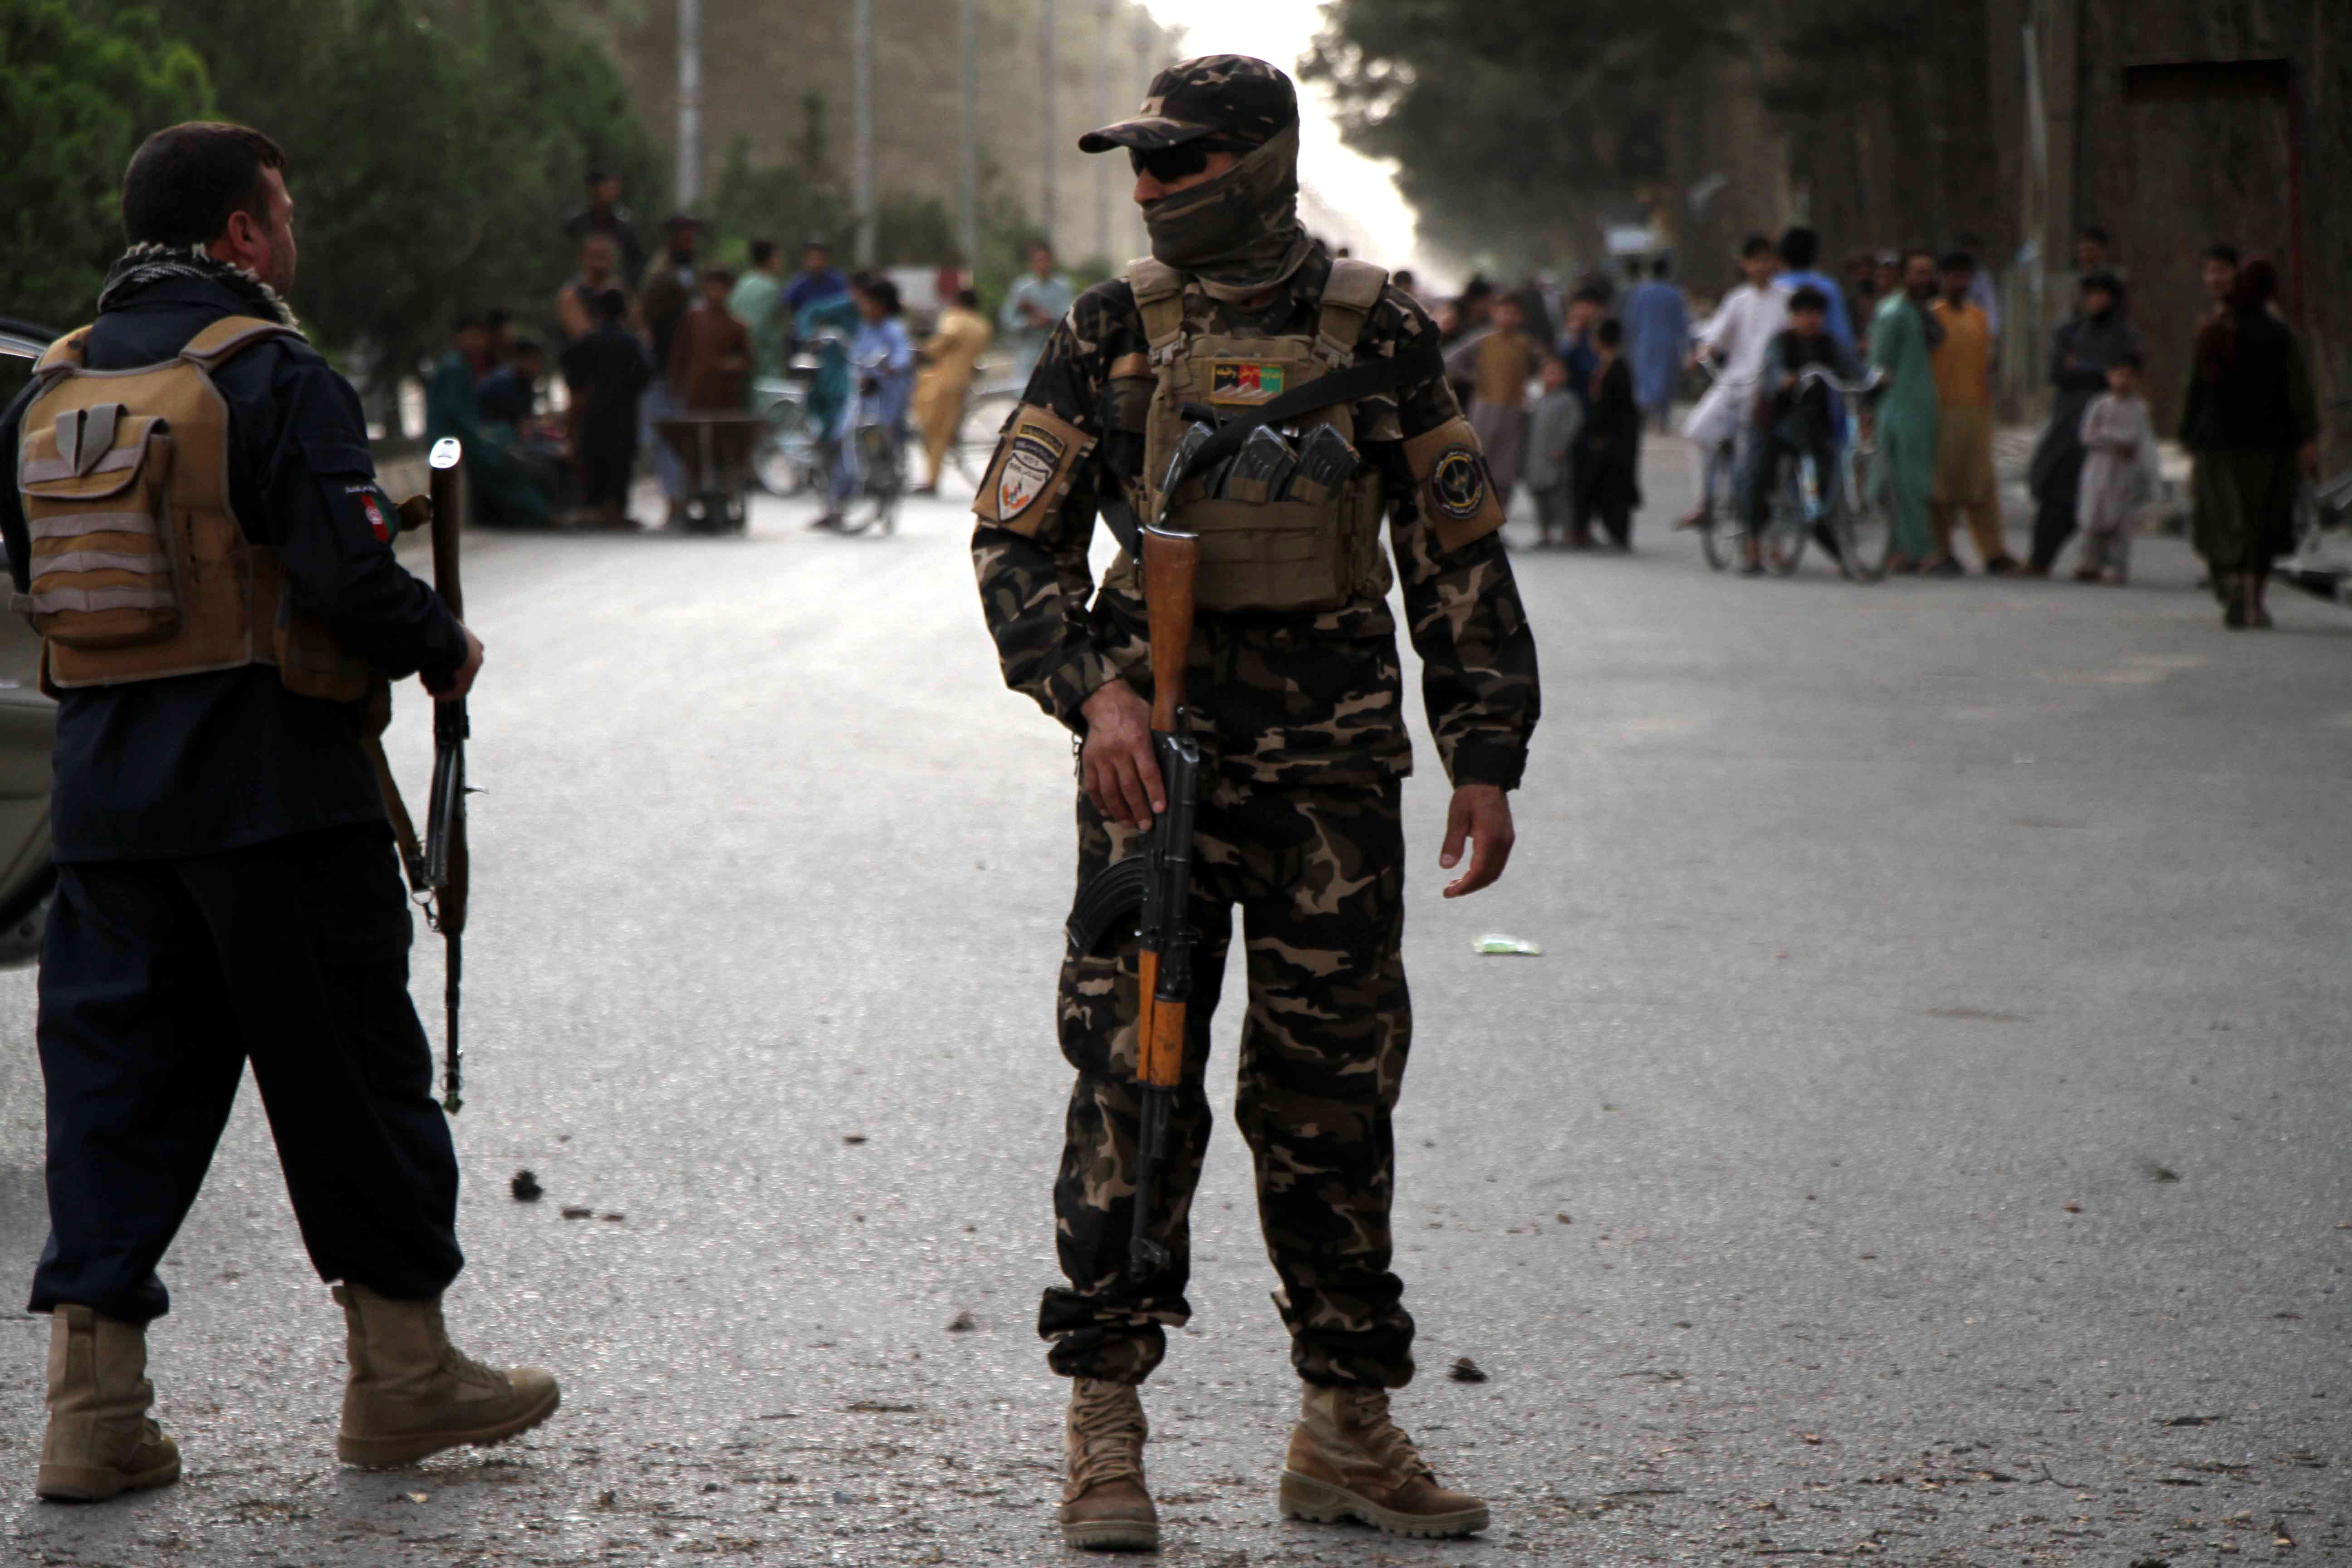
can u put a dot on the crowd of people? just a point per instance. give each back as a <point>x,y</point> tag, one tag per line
<point>649,344</point>
<point>1924,328</point>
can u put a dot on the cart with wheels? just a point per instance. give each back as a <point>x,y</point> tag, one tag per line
<point>717,450</point>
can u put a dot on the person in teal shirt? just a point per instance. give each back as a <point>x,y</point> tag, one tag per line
<point>502,491</point>
<point>1901,339</point>
<point>757,303</point>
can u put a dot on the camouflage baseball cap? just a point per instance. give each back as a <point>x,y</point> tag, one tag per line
<point>1232,97</point>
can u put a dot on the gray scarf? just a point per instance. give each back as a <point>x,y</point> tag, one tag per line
<point>1238,234</point>
<point>144,264</point>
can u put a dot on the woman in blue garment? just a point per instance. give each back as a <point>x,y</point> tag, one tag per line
<point>881,359</point>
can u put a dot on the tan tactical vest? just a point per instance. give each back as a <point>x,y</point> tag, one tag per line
<point>1299,554</point>
<point>140,569</point>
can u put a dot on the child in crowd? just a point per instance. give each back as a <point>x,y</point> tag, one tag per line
<point>2119,474</point>
<point>1549,469</point>
<point>1609,447</point>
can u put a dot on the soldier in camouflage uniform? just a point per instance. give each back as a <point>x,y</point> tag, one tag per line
<point>1299,715</point>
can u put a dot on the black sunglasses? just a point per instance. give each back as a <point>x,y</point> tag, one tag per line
<point>1167,164</point>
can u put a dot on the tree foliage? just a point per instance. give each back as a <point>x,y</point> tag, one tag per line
<point>75,101</point>
<point>1513,119</point>
<point>434,147</point>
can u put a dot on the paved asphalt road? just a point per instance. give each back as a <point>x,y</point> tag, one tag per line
<point>1922,1139</point>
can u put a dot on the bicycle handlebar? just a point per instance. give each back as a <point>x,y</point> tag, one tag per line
<point>1826,377</point>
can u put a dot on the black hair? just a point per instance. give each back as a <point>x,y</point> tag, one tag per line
<point>611,305</point>
<point>2093,233</point>
<point>1403,278</point>
<point>718,274</point>
<point>525,347</point>
<point>816,242</point>
<point>1808,298</point>
<point>968,298</point>
<point>495,317</point>
<point>682,220</point>
<point>1610,334</point>
<point>880,290</point>
<point>1754,245</point>
<point>1957,261</point>
<point>1589,295</point>
<point>763,252</point>
<point>2134,360</point>
<point>184,182</point>
<point>466,321</point>
<point>1798,248</point>
<point>2106,281</point>
<point>1660,267</point>
<point>2225,254</point>
<point>597,174</point>
<point>1634,269</point>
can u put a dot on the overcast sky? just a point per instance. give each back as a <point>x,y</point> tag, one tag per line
<point>1359,190</point>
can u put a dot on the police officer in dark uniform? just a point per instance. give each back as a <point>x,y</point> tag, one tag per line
<point>227,888</point>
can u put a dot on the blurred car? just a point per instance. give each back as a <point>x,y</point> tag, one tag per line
<point>28,724</point>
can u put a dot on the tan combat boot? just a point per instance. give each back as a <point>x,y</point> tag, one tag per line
<point>411,1393</point>
<point>1104,1505</point>
<point>1348,1460</point>
<point>99,1440</point>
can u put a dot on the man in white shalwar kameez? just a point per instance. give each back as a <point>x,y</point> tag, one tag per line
<point>1736,339</point>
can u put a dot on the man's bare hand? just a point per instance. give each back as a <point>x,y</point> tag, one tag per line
<point>461,680</point>
<point>1480,814</point>
<point>1116,766</point>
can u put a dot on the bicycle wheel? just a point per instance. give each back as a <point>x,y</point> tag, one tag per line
<point>785,463</point>
<point>1785,528</point>
<point>882,481</point>
<point>1720,531</point>
<point>983,416</point>
<point>1866,530</point>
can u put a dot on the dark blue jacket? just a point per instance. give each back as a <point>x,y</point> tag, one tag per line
<point>195,765</point>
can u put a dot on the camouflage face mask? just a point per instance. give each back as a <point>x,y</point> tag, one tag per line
<point>1238,232</point>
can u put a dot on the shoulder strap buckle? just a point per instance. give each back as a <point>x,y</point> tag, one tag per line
<point>231,336</point>
<point>1349,294</point>
<point>1159,291</point>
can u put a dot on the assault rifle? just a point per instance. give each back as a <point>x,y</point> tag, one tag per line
<point>1150,892</point>
<point>439,867</point>
<point>448,862</point>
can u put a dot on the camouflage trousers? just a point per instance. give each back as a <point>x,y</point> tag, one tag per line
<point>1319,878</point>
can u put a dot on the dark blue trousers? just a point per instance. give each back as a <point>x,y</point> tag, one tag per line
<point>160,979</point>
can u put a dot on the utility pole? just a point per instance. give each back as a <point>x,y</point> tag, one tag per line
<point>1045,113</point>
<point>689,103</point>
<point>968,171</point>
<point>862,154</point>
<point>1104,115</point>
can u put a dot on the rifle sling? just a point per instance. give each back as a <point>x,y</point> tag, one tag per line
<point>403,826</point>
<point>1366,378</point>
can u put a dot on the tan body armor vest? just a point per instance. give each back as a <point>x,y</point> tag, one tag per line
<point>140,569</point>
<point>1303,553</point>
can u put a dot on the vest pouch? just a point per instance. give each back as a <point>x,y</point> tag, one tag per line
<point>1271,556</point>
<point>310,663</point>
<point>107,562</point>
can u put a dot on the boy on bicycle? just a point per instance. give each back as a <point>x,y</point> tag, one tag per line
<point>1792,419</point>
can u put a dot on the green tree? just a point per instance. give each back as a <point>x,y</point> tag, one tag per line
<point>76,99</point>
<point>434,147</point>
